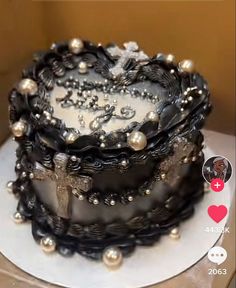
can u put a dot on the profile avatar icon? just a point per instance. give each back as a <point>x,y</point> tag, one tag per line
<point>217,167</point>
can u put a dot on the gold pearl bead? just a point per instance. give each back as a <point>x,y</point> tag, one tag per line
<point>19,128</point>
<point>48,244</point>
<point>71,137</point>
<point>170,58</point>
<point>137,140</point>
<point>27,86</point>
<point>18,218</point>
<point>83,67</point>
<point>174,233</point>
<point>112,257</point>
<point>76,45</point>
<point>9,186</point>
<point>152,116</point>
<point>186,66</point>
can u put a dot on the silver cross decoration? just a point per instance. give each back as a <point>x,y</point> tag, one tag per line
<point>131,51</point>
<point>64,182</point>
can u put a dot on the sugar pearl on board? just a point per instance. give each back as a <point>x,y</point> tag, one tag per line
<point>186,66</point>
<point>18,218</point>
<point>112,257</point>
<point>27,86</point>
<point>152,116</point>
<point>76,45</point>
<point>174,233</point>
<point>83,67</point>
<point>19,128</point>
<point>9,186</point>
<point>48,244</point>
<point>137,140</point>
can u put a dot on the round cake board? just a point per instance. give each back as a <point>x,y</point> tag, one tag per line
<point>148,265</point>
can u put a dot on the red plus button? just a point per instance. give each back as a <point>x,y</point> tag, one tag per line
<point>217,185</point>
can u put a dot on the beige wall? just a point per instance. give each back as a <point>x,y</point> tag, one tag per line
<point>200,30</point>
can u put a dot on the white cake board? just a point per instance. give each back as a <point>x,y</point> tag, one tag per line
<point>146,266</point>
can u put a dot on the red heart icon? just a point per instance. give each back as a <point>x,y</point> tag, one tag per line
<point>217,213</point>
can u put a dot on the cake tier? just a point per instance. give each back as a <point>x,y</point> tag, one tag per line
<point>108,127</point>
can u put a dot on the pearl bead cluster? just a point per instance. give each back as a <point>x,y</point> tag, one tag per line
<point>188,96</point>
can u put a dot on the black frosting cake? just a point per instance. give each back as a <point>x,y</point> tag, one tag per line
<point>109,147</point>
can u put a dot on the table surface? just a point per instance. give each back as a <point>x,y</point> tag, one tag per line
<point>11,276</point>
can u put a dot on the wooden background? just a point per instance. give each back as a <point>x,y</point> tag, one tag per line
<point>199,30</point>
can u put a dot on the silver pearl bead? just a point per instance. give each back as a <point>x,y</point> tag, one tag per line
<point>186,66</point>
<point>80,117</point>
<point>76,45</point>
<point>82,123</point>
<point>115,102</point>
<point>73,158</point>
<point>27,86</point>
<point>9,186</point>
<point>95,201</point>
<point>95,125</point>
<point>163,176</point>
<point>18,166</point>
<point>74,192</point>
<point>102,145</point>
<point>137,140</point>
<point>174,233</point>
<point>124,163</point>
<point>152,116</point>
<point>81,197</point>
<point>18,218</point>
<point>71,137</point>
<point>194,158</point>
<point>23,174</point>
<point>53,121</point>
<point>31,175</point>
<point>112,202</point>
<point>147,191</point>
<point>112,257</point>
<point>83,67</point>
<point>185,160</point>
<point>130,198</point>
<point>48,244</point>
<point>19,128</point>
<point>102,137</point>
<point>170,58</point>
<point>105,97</point>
